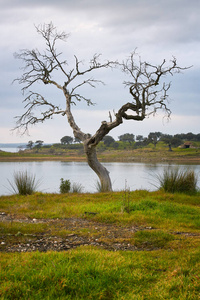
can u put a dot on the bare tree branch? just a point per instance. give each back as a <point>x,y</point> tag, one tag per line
<point>149,93</point>
<point>41,67</point>
<point>145,84</point>
<point>31,115</point>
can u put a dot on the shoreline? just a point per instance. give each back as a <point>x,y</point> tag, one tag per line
<point>176,160</point>
<point>142,155</point>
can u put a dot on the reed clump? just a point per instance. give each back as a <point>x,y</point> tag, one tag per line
<point>76,188</point>
<point>178,181</point>
<point>24,183</point>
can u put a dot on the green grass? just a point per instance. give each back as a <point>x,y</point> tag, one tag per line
<point>152,239</point>
<point>164,265</point>
<point>146,208</point>
<point>89,273</point>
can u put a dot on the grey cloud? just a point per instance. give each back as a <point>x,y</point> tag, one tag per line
<point>159,29</point>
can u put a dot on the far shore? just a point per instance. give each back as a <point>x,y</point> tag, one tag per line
<point>185,156</point>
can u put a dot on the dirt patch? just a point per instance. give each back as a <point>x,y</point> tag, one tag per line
<point>71,233</point>
<point>82,232</point>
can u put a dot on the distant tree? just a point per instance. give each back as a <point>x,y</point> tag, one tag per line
<point>30,145</point>
<point>190,136</point>
<point>180,136</point>
<point>171,141</point>
<point>197,138</point>
<point>115,145</point>
<point>108,140</point>
<point>175,142</point>
<point>139,138</point>
<point>127,137</point>
<point>77,140</point>
<point>185,136</point>
<point>154,137</point>
<point>167,139</point>
<point>38,144</point>
<point>144,82</point>
<point>66,140</point>
<point>145,141</point>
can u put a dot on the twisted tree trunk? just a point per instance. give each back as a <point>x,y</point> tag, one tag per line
<point>98,168</point>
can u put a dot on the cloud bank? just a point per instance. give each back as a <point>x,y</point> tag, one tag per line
<point>158,29</point>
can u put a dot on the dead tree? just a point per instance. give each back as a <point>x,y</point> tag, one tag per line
<point>144,85</point>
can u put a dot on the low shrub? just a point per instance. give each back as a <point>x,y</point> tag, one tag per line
<point>24,183</point>
<point>64,186</point>
<point>178,181</point>
<point>67,187</point>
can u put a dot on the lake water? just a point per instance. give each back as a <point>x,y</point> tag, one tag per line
<point>134,175</point>
<point>11,149</point>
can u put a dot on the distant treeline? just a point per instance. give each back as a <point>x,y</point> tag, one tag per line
<point>124,141</point>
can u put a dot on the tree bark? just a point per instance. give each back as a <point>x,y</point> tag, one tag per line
<point>97,167</point>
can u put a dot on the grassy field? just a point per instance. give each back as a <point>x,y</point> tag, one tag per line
<point>137,245</point>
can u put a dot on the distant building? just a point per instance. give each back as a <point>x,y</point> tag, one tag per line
<point>187,145</point>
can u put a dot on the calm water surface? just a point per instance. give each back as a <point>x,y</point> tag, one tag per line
<point>136,175</point>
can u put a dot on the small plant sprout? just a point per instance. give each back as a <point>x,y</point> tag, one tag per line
<point>126,198</point>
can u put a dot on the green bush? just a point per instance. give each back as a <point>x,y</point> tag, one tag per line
<point>64,186</point>
<point>178,181</point>
<point>24,183</point>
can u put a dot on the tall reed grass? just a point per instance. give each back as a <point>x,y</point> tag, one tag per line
<point>24,183</point>
<point>178,181</point>
<point>76,188</point>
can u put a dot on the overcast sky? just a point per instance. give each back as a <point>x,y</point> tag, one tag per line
<point>157,28</point>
